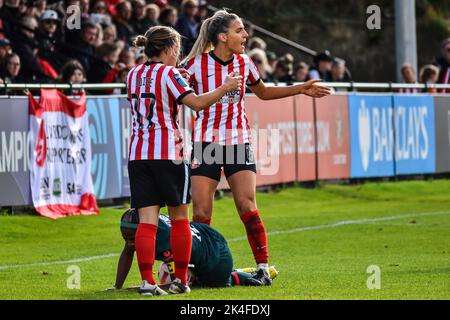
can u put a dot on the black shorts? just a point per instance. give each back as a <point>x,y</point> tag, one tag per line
<point>158,182</point>
<point>207,159</point>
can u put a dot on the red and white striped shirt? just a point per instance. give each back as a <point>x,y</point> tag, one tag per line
<point>225,122</point>
<point>154,91</point>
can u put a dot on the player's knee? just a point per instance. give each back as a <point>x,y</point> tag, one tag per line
<point>202,213</point>
<point>245,204</point>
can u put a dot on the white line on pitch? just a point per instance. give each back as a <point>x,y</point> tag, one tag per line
<point>321,226</point>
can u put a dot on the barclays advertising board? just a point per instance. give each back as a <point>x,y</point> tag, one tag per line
<point>371,136</point>
<point>415,151</point>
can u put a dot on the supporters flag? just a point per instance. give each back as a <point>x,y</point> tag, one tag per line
<point>61,183</point>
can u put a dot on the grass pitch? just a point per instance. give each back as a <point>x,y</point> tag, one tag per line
<point>322,241</point>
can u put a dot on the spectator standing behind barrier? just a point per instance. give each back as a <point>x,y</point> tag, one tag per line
<point>47,38</point>
<point>72,72</point>
<point>409,76</point>
<point>187,26</point>
<point>260,59</point>
<point>122,21</point>
<point>322,67</point>
<point>301,72</point>
<point>168,16</point>
<point>429,74</point>
<point>443,62</point>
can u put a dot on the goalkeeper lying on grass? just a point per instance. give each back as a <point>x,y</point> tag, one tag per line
<point>211,259</point>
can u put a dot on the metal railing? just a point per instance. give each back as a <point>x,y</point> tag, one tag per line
<point>110,86</point>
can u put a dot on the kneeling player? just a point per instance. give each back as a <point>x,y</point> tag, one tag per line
<point>211,259</point>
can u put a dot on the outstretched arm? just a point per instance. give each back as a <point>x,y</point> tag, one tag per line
<point>308,88</point>
<point>199,102</point>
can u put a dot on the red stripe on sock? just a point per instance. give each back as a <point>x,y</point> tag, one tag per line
<point>206,221</point>
<point>181,244</point>
<point>145,250</point>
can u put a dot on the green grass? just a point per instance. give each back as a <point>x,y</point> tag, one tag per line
<point>413,253</point>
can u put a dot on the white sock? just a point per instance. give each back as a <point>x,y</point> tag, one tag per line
<point>264,267</point>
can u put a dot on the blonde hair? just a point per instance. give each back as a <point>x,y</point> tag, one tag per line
<point>158,39</point>
<point>427,71</point>
<point>209,31</point>
<point>261,55</point>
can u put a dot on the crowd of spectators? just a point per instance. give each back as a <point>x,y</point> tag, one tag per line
<point>437,72</point>
<point>41,43</point>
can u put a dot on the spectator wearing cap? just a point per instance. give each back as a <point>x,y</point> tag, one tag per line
<point>137,16</point>
<point>322,66</point>
<point>429,74</point>
<point>151,16</point>
<point>187,25</point>
<point>168,16</point>
<point>272,59</point>
<point>122,21</point>
<point>47,36</point>
<point>443,63</point>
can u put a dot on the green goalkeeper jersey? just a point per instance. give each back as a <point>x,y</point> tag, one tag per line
<point>210,254</point>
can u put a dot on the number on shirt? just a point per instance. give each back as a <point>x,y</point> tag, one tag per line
<point>144,95</point>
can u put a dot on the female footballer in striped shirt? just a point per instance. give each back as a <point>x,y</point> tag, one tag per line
<point>223,128</point>
<point>158,173</point>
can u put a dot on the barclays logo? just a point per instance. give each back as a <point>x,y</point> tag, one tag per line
<point>375,134</point>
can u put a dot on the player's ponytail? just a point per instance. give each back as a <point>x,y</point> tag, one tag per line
<point>158,39</point>
<point>209,32</point>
